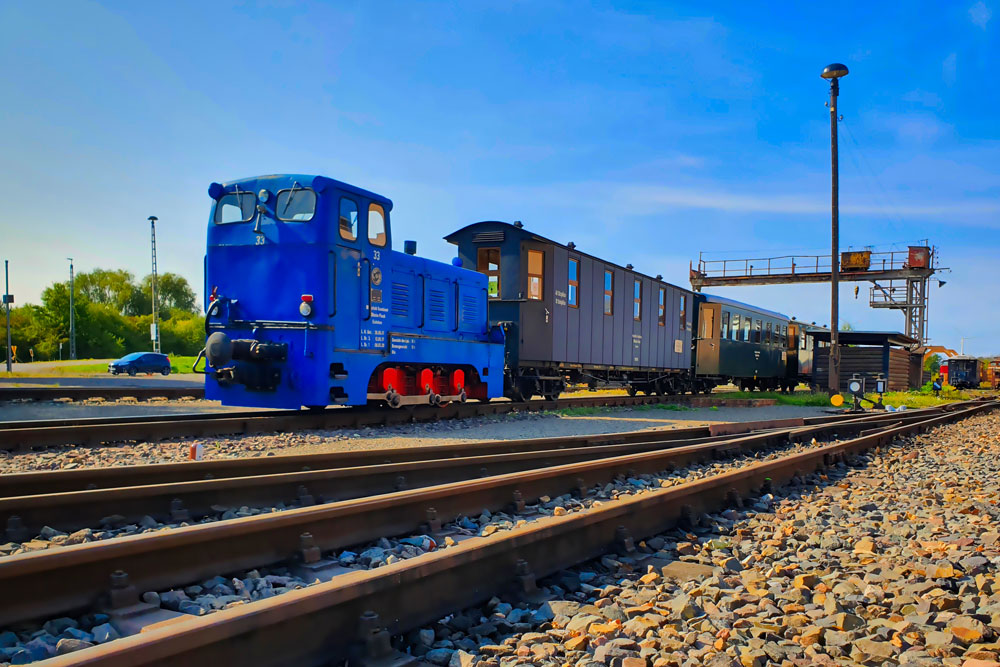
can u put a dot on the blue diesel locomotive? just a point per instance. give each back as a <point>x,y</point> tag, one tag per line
<point>308,305</point>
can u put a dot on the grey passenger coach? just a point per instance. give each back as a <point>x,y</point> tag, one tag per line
<point>571,317</point>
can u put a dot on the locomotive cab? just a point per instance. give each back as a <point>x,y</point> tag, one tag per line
<point>309,305</point>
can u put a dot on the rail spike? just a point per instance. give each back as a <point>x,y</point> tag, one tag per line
<point>624,541</point>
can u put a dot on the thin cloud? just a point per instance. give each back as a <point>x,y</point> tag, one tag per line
<point>949,68</point>
<point>980,14</point>
<point>656,198</point>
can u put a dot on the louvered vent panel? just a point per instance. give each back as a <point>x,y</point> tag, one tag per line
<point>437,301</point>
<point>488,237</point>
<point>400,300</point>
<point>470,309</point>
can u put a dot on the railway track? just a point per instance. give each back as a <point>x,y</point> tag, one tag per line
<point>25,435</point>
<point>30,504</point>
<point>107,393</point>
<point>295,628</point>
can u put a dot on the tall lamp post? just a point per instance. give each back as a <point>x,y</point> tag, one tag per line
<point>834,72</point>
<point>155,331</point>
<point>7,300</point>
<point>72,313</point>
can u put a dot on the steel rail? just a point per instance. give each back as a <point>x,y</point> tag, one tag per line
<point>151,429</point>
<point>73,510</point>
<point>36,483</point>
<point>77,576</point>
<point>325,622</point>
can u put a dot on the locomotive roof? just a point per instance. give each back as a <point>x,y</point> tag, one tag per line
<point>317,183</point>
<point>537,237</point>
<point>711,298</point>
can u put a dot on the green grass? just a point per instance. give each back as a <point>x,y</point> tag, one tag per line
<point>178,364</point>
<point>800,398</point>
<point>589,411</point>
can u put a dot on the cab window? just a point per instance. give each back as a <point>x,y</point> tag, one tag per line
<point>235,207</point>
<point>376,225</point>
<point>296,205</point>
<point>488,262</point>
<point>536,266</point>
<point>348,219</point>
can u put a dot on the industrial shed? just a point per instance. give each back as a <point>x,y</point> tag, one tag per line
<point>868,353</point>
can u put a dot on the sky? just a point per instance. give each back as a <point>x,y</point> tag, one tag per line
<point>647,133</point>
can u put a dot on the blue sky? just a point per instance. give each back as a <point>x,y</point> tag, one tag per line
<point>644,132</point>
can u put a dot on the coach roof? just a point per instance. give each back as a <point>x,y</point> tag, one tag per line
<point>525,234</point>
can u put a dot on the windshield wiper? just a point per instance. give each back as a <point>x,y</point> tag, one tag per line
<point>295,186</point>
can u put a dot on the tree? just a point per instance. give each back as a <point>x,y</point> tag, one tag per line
<point>173,293</point>
<point>114,288</point>
<point>933,364</point>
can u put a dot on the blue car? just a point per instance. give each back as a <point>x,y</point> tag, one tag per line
<point>141,362</point>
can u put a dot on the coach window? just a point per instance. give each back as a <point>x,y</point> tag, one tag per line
<point>734,330</point>
<point>348,219</point>
<point>767,334</point>
<point>488,263</point>
<point>724,329</point>
<point>573,289</point>
<point>662,314</point>
<point>756,331</point>
<point>376,225</point>
<point>683,319</point>
<point>746,329</point>
<point>609,292</point>
<point>637,300</point>
<point>536,264</point>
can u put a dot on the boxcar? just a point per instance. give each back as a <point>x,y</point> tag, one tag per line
<point>963,372</point>
<point>742,344</point>
<point>572,317</point>
<point>308,304</point>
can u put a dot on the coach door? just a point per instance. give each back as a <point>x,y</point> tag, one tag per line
<point>709,316</point>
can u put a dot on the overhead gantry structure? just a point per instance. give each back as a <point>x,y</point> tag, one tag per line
<point>899,278</point>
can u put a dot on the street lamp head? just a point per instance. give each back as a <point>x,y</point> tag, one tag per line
<point>834,71</point>
<point>152,218</point>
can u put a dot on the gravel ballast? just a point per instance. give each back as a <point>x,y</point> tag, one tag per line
<point>511,426</point>
<point>893,561</point>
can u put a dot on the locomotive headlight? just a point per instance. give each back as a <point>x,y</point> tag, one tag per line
<point>263,195</point>
<point>306,307</point>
